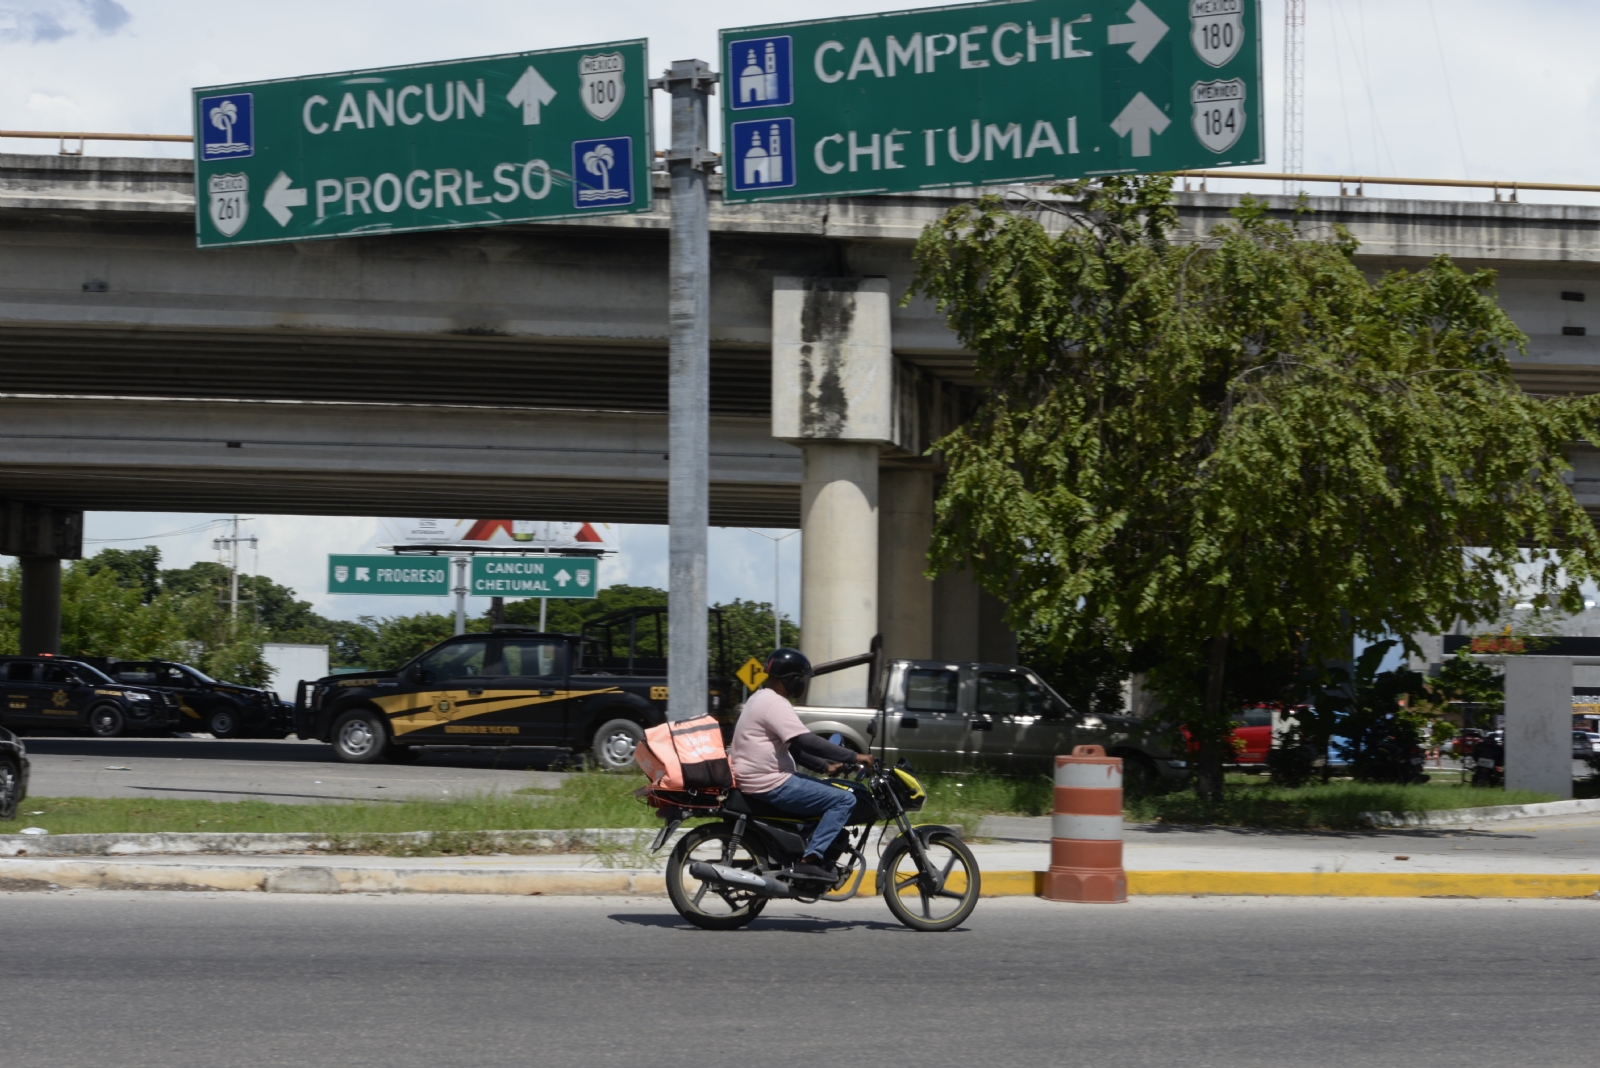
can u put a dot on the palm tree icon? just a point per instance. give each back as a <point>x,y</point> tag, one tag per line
<point>223,116</point>
<point>599,160</point>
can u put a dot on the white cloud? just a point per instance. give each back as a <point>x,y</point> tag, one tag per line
<point>48,21</point>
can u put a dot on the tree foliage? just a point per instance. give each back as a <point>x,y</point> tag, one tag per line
<point>1238,440</point>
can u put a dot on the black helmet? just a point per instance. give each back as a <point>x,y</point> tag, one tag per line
<point>790,667</point>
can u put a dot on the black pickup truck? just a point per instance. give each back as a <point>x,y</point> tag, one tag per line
<point>226,709</point>
<point>592,693</point>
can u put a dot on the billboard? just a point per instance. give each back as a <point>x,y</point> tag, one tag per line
<point>469,534</point>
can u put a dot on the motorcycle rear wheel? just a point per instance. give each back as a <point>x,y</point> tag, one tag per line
<point>937,900</point>
<point>712,906</point>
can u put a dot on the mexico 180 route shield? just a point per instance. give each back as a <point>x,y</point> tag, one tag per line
<point>1016,91</point>
<point>473,142</point>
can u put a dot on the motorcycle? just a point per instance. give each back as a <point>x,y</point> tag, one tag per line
<point>721,875</point>
<point>1489,762</point>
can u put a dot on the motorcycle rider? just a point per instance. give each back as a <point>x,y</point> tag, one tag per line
<point>769,740</point>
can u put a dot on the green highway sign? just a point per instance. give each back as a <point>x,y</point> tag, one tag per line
<point>473,142</point>
<point>572,577</point>
<point>979,94</point>
<point>393,576</point>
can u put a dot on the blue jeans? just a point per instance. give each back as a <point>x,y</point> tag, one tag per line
<point>802,796</point>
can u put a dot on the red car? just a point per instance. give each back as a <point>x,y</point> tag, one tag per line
<point>1252,735</point>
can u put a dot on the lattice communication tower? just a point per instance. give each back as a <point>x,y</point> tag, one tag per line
<point>1294,90</point>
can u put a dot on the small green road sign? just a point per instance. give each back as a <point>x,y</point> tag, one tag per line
<point>572,577</point>
<point>472,142</point>
<point>980,94</point>
<point>391,576</point>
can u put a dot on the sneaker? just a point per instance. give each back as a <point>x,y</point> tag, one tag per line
<point>807,870</point>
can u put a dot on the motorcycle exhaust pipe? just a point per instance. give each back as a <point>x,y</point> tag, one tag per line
<point>746,880</point>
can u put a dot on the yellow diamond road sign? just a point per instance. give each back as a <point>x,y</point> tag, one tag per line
<point>751,674</point>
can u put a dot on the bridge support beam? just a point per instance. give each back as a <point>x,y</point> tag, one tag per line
<point>838,564</point>
<point>40,538</point>
<point>905,527</point>
<point>40,630</point>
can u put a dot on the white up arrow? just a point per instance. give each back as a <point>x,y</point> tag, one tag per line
<point>280,198</point>
<point>1143,33</point>
<point>562,578</point>
<point>1139,118</point>
<point>530,92</point>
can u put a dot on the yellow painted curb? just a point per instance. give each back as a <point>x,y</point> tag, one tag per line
<point>1361,884</point>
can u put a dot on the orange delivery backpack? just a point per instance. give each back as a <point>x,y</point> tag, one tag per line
<point>686,755</point>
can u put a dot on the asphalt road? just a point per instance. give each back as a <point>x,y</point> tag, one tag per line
<point>287,772</point>
<point>162,980</point>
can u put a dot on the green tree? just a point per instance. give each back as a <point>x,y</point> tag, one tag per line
<point>747,626</point>
<point>1238,442</point>
<point>138,569</point>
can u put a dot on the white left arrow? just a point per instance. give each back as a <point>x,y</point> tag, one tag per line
<point>280,198</point>
<point>562,578</point>
<point>1140,118</point>
<point>530,93</point>
<point>1143,33</point>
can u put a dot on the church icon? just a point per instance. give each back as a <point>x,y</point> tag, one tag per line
<point>763,154</point>
<point>764,69</point>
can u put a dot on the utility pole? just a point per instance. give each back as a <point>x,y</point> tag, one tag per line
<point>1294,91</point>
<point>233,572</point>
<point>689,162</point>
<point>461,594</point>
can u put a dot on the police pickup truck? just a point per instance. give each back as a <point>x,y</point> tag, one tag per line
<point>959,716</point>
<point>53,692</point>
<point>511,687</point>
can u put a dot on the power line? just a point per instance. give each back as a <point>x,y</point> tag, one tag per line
<point>1455,119</point>
<point>196,529</point>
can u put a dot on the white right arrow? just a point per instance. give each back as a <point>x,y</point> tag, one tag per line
<point>562,578</point>
<point>1139,118</point>
<point>530,92</point>
<point>280,198</point>
<point>1143,33</point>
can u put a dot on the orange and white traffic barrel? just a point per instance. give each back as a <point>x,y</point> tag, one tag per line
<point>1086,829</point>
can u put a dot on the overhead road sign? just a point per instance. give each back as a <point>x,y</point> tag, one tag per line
<point>981,94</point>
<point>474,142</point>
<point>389,576</point>
<point>571,577</point>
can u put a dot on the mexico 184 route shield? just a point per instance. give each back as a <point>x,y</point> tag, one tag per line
<point>474,142</point>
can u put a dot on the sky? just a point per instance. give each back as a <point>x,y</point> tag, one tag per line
<point>1480,89</point>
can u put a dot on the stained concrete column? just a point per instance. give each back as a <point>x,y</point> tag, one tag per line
<point>905,527</point>
<point>40,625</point>
<point>1539,724</point>
<point>833,395</point>
<point>838,564</point>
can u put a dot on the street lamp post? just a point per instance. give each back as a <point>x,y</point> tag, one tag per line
<point>777,540</point>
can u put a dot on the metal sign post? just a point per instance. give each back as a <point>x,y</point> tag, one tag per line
<point>982,94</point>
<point>690,81</point>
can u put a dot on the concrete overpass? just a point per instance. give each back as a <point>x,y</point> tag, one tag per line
<point>522,370</point>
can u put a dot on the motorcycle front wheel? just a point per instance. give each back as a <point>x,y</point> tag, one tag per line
<point>938,898</point>
<point>710,905</point>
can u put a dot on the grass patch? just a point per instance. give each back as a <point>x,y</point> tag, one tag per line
<point>1336,806</point>
<point>966,799</point>
<point>582,801</point>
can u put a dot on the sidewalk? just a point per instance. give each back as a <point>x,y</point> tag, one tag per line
<point>1551,858</point>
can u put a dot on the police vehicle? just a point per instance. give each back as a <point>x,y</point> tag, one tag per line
<point>49,691</point>
<point>226,709</point>
<point>515,686</point>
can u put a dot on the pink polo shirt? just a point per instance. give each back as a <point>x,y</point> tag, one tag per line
<point>760,755</point>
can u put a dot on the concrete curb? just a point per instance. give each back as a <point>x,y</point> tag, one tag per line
<point>43,874</point>
<point>1457,817</point>
<point>184,844</point>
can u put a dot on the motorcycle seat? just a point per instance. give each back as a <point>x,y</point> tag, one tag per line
<point>741,804</point>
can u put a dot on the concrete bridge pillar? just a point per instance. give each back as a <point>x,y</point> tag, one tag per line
<point>905,527</point>
<point>40,538</point>
<point>832,394</point>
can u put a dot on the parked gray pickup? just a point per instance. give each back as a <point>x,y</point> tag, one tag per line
<point>952,717</point>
